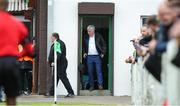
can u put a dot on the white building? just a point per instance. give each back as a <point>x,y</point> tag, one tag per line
<point>118,26</point>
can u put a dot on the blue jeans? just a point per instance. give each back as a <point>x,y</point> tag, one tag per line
<point>97,62</point>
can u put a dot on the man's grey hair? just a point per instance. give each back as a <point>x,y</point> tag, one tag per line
<point>91,27</point>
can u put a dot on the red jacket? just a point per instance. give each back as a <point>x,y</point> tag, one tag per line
<point>12,33</point>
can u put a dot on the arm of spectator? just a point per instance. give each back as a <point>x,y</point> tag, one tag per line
<point>130,59</point>
<point>143,52</point>
<point>175,32</point>
<point>152,45</point>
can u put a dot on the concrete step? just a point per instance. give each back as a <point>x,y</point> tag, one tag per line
<point>95,93</point>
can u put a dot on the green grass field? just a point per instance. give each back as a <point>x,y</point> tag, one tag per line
<point>58,104</point>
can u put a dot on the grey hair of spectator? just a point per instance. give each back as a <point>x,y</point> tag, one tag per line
<point>174,3</point>
<point>91,27</point>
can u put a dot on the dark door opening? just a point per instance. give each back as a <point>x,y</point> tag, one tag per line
<point>103,26</point>
<point>30,29</point>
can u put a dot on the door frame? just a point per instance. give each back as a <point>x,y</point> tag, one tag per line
<point>111,48</point>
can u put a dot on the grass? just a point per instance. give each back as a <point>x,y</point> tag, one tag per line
<point>58,104</point>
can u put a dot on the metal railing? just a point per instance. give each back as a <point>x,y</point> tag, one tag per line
<point>18,5</point>
<point>146,90</point>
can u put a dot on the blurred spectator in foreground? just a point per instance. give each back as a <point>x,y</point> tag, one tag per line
<point>167,17</point>
<point>140,44</point>
<point>26,67</point>
<point>15,33</point>
<point>175,31</point>
<point>158,45</point>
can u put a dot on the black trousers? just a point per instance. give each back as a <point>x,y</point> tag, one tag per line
<point>26,80</point>
<point>62,75</point>
<point>10,75</point>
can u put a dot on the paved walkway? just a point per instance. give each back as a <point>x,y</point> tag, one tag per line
<point>125,100</point>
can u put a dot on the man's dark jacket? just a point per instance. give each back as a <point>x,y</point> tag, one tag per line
<point>100,44</point>
<point>61,57</point>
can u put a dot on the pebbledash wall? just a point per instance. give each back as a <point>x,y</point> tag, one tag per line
<point>63,18</point>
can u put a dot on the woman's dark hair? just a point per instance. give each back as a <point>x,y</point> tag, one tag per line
<point>152,20</point>
<point>56,35</point>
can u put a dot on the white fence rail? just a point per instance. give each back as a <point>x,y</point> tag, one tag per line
<point>146,90</point>
<point>18,5</point>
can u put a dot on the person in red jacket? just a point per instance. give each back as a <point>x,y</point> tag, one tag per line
<point>12,33</point>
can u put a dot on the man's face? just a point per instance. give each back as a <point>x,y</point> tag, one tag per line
<point>90,32</point>
<point>166,15</point>
<point>53,38</point>
<point>144,31</point>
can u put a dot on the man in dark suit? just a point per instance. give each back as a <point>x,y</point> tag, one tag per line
<point>94,50</point>
<point>62,64</point>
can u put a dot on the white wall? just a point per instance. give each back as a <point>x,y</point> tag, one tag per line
<point>127,25</point>
<point>65,23</point>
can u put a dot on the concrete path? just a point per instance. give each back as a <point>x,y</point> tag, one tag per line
<point>125,100</point>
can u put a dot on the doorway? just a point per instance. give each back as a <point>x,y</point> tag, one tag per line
<point>104,26</point>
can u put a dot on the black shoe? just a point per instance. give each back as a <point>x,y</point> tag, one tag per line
<point>91,89</point>
<point>69,96</point>
<point>26,93</point>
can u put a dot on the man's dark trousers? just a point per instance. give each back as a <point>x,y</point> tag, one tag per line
<point>94,60</point>
<point>0,93</point>
<point>62,75</point>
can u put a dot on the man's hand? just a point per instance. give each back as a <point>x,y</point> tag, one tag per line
<point>152,45</point>
<point>143,52</point>
<point>175,32</point>
<point>52,64</point>
<point>85,55</point>
<point>131,60</point>
<point>102,55</point>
